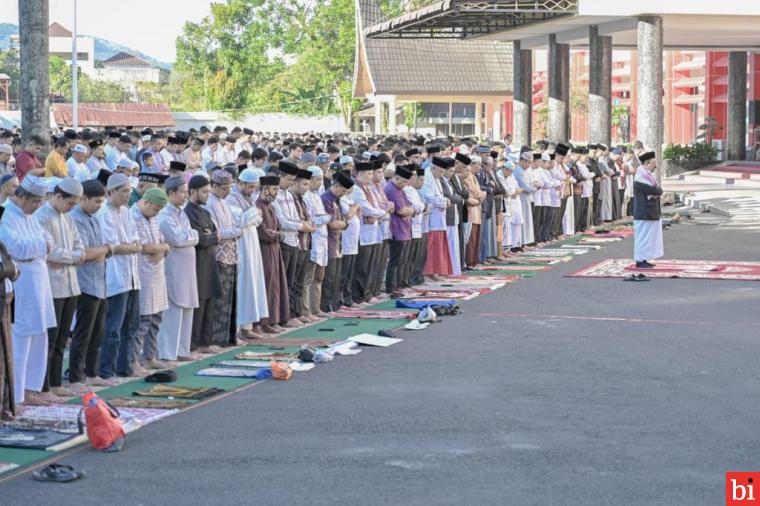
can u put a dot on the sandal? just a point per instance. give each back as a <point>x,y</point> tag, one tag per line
<point>636,277</point>
<point>57,473</point>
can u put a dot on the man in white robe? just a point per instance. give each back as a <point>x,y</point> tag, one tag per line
<point>647,224</point>
<point>28,243</point>
<point>251,289</point>
<point>513,213</point>
<point>526,235</point>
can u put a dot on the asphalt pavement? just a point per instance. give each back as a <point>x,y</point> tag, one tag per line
<point>553,390</point>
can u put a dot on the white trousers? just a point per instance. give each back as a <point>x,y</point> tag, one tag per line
<point>30,357</point>
<point>175,332</point>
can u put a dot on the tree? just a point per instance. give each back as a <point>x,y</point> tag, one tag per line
<point>270,55</point>
<point>9,64</point>
<point>33,33</point>
<point>89,89</point>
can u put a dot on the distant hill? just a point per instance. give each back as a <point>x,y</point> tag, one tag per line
<point>104,49</point>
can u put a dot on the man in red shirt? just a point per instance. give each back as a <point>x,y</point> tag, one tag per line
<point>27,161</point>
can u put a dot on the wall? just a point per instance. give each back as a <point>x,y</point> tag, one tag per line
<point>85,50</point>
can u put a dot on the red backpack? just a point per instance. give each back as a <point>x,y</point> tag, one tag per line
<point>103,426</point>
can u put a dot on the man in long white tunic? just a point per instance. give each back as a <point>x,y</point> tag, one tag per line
<point>647,225</point>
<point>526,236</point>
<point>513,214</point>
<point>251,289</point>
<point>28,244</point>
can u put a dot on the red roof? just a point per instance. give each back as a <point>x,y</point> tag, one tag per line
<point>124,59</point>
<point>119,115</point>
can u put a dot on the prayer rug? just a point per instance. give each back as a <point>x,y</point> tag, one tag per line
<point>448,294</point>
<point>501,272</point>
<point>693,269</point>
<point>599,240</point>
<point>521,260</point>
<point>506,267</point>
<point>343,328</point>
<point>68,413</point>
<point>266,355</point>
<point>622,233</point>
<point>552,253</point>
<point>387,305</point>
<point>33,439</point>
<point>130,402</point>
<point>229,372</point>
<point>194,393</point>
<point>371,314</point>
<point>7,466</point>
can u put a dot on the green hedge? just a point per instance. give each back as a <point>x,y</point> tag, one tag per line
<point>689,152</point>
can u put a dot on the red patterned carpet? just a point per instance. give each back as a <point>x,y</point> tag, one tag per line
<point>694,269</point>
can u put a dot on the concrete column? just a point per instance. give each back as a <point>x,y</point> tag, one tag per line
<point>478,122</point>
<point>736,131</point>
<point>522,90</point>
<point>378,116</point>
<point>558,123</point>
<point>35,81</point>
<point>599,87</point>
<point>649,99</point>
<point>392,115</point>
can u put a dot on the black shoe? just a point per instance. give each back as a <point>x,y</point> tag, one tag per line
<point>649,264</point>
<point>643,265</point>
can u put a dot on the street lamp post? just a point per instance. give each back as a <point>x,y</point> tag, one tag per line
<point>74,86</point>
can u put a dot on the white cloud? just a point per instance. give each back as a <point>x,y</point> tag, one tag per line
<point>150,26</point>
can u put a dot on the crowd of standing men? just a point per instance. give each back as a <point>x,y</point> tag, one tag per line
<point>147,248</point>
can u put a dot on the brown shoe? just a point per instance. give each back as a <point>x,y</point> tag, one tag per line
<point>269,330</point>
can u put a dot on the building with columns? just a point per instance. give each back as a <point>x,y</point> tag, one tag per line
<point>461,88</point>
<point>648,27</point>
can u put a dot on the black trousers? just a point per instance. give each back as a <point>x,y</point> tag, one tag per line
<point>462,245</point>
<point>331,286</point>
<point>583,219</point>
<point>57,339</point>
<point>596,206</point>
<point>233,313</point>
<point>347,268</point>
<point>398,252</point>
<point>547,222</point>
<point>418,263</point>
<point>577,203</point>
<point>538,216</point>
<point>203,324</point>
<point>295,294</point>
<point>378,276</point>
<point>557,227</point>
<point>407,268</point>
<point>289,261</point>
<point>364,272</point>
<point>84,355</point>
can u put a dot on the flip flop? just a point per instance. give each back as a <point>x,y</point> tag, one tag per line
<point>635,277</point>
<point>58,473</point>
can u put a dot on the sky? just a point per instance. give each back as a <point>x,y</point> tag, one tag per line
<point>150,26</point>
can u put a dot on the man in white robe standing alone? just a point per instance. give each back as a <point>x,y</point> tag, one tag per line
<point>647,225</point>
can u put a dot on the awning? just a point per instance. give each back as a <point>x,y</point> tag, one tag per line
<point>100,115</point>
<point>689,99</point>
<point>621,86</point>
<point>457,19</point>
<point>697,63</point>
<point>689,82</point>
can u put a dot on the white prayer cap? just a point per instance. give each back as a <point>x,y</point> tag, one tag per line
<point>345,159</point>
<point>250,175</point>
<point>509,165</point>
<point>116,181</point>
<point>146,138</point>
<point>80,148</point>
<point>545,157</point>
<point>512,157</point>
<point>476,159</point>
<point>125,162</point>
<point>35,186</point>
<point>71,186</point>
<point>51,183</point>
<point>526,155</point>
<point>463,149</point>
<point>315,171</point>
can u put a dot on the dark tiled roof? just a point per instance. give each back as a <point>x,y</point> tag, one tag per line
<point>434,66</point>
<point>124,59</point>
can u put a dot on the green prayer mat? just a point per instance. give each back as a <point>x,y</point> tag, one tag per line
<point>22,457</point>
<point>339,329</point>
<point>390,305</point>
